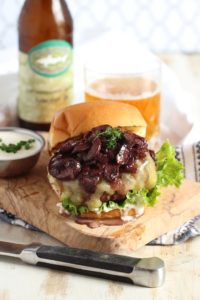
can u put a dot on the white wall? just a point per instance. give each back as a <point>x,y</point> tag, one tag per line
<point>164,25</point>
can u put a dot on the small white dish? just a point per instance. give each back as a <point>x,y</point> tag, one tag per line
<point>15,164</point>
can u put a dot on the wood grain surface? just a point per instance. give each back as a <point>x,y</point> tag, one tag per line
<point>32,199</point>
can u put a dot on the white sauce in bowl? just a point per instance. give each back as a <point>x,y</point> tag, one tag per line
<point>13,137</point>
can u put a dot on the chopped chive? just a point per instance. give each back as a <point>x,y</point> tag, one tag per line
<point>13,148</point>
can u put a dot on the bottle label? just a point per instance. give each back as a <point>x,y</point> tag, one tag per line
<point>45,75</point>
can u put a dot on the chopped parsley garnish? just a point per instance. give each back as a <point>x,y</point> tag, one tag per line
<point>112,135</point>
<point>14,148</point>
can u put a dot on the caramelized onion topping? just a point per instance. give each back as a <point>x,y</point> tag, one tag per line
<point>87,158</point>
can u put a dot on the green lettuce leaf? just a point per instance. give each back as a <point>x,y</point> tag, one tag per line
<point>169,172</point>
<point>169,169</point>
<point>110,205</point>
<point>69,205</point>
<point>152,196</point>
<point>136,197</point>
<point>142,197</point>
<point>83,209</point>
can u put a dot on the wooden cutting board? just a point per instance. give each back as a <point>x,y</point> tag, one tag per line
<point>31,198</point>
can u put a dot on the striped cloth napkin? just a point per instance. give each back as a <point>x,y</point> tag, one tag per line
<point>190,157</point>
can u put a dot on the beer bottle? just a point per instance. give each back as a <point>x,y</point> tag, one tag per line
<point>45,30</point>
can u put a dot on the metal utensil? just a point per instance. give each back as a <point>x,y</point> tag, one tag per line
<point>148,272</point>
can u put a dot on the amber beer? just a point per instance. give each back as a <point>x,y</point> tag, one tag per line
<point>45,61</point>
<point>141,92</point>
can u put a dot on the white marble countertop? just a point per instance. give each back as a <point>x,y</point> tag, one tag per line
<point>19,281</point>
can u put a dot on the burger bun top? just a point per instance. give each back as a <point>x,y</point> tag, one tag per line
<point>79,118</point>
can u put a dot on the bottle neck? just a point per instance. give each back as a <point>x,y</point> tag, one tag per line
<point>42,20</point>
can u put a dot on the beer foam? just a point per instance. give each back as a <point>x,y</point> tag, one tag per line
<point>124,88</point>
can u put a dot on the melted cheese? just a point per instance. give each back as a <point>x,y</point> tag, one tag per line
<point>145,177</point>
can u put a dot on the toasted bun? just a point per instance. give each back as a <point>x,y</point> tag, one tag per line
<point>79,118</point>
<point>115,213</point>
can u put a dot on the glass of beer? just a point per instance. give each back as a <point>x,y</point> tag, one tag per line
<point>141,89</point>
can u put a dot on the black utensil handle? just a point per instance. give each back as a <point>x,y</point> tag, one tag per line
<point>87,272</point>
<point>112,262</point>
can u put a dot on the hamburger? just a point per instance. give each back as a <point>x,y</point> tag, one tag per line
<point>101,167</point>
